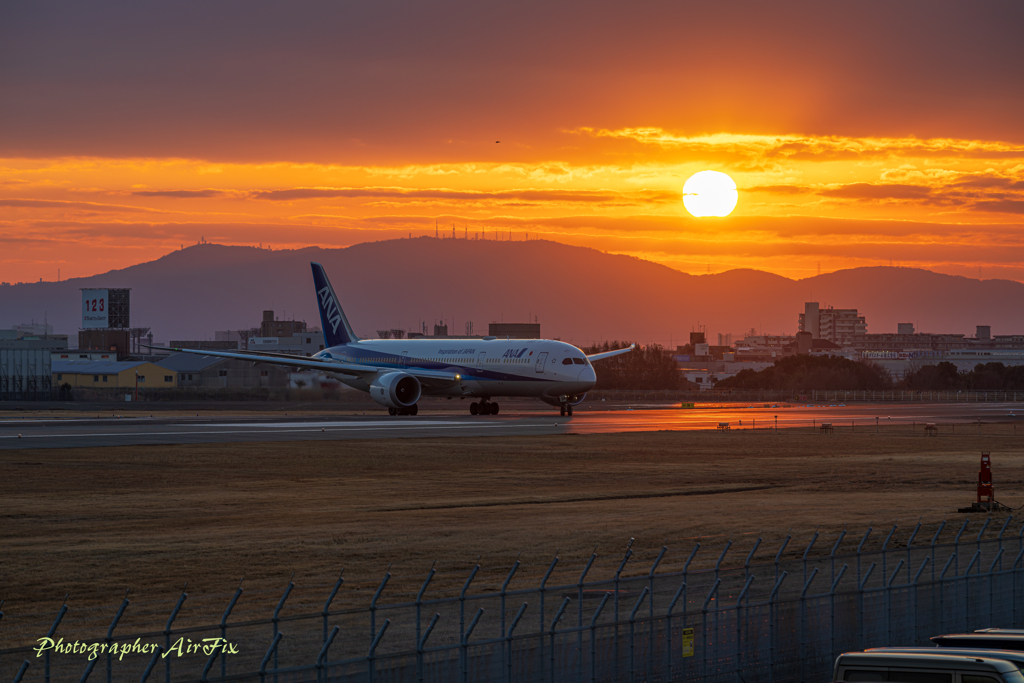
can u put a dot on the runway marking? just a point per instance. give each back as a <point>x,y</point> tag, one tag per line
<point>240,431</point>
<point>673,494</point>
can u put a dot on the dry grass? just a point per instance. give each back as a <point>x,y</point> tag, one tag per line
<point>92,522</point>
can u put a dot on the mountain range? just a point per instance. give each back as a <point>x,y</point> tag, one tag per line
<point>576,293</point>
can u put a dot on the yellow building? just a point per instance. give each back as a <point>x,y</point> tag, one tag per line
<point>105,374</point>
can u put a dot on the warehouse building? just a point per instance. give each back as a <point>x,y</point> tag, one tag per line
<point>25,364</point>
<point>193,370</point>
<point>112,374</point>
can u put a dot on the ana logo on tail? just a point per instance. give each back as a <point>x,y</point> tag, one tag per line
<point>330,306</point>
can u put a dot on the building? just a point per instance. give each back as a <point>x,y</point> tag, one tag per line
<point>904,328</point>
<point>514,330</point>
<point>193,370</point>
<point>113,374</point>
<point>305,344</point>
<point>272,327</point>
<point>838,325</point>
<point>26,364</point>
<point>205,345</point>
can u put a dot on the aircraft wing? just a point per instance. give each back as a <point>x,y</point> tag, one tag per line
<point>299,362</point>
<point>609,354</point>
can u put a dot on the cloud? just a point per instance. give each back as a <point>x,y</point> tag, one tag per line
<point>62,204</point>
<point>530,195</point>
<point>877,191</point>
<point>1015,206</point>
<point>180,194</point>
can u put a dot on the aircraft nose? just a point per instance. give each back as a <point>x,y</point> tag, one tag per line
<point>587,374</point>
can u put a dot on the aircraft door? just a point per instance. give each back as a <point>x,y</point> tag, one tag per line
<point>405,359</point>
<point>541,359</point>
<point>481,358</point>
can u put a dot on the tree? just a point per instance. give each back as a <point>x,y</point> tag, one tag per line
<point>645,367</point>
<point>805,372</point>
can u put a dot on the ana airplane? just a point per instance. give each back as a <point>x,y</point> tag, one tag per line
<point>397,372</point>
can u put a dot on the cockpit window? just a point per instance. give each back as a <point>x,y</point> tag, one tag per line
<point>579,361</point>
<point>567,361</point>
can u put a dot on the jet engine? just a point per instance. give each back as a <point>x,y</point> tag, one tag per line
<point>396,390</point>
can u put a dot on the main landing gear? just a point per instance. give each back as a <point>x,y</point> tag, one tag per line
<point>484,407</point>
<point>566,410</point>
<point>411,410</point>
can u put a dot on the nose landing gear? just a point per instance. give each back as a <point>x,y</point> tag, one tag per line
<point>566,409</point>
<point>485,407</point>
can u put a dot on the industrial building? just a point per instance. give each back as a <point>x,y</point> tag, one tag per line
<point>26,363</point>
<point>193,370</point>
<point>113,374</point>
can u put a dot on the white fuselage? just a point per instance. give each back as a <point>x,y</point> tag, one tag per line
<point>539,368</point>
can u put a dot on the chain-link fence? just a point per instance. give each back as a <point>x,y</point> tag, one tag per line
<point>753,615</point>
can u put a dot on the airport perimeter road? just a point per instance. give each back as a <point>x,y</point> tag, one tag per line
<point>81,432</point>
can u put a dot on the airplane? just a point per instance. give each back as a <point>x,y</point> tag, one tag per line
<point>397,372</point>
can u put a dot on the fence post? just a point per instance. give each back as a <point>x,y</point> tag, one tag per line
<point>917,576</point>
<point>704,627</point>
<point>942,592</point>
<point>803,617</point>
<point>980,533</point>
<point>508,637</point>
<point>668,627</point>
<point>771,625</point>
<point>618,572</point>
<point>739,629</point>
<point>323,654</point>
<point>909,541</point>
<point>419,598</point>
<point>543,584</point>
<point>935,538</point>
<point>832,556</point>
<point>266,658</point>
<point>650,584</point>
<point>810,545</point>
<point>21,671</point>
<point>462,600</point>
<point>832,612</point>
<point>991,579</point>
<point>167,630</point>
<point>579,630</point>
<point>967,588</point>
<point>371,658</point>
<point>778,555</point>
<point>275,619</point>
<point>554,623</point>
<point>373,603</point>
<point>49,634</point>
<point>859,547</point>
<point>152,664</point>
<point>860,599</point>
<point>330,598</point>
<point>504,591</point>
<point>593,641</point>
<point>888,599</point>
<point>885,547</point>
<point>109,638</point>
<point>421,644</point>
<point>632,633</point>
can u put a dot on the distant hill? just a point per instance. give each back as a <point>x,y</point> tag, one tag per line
<point>578,294</point>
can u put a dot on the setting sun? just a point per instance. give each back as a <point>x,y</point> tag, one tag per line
<point>710,193</point>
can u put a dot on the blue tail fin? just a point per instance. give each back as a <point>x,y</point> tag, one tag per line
<point>337,331</point>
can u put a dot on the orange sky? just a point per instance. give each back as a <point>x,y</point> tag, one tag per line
<point>856,136</point>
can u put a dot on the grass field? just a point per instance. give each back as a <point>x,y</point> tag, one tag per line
<point>93,522</point>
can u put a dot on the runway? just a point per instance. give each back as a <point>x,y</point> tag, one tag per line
<point>75,432</point>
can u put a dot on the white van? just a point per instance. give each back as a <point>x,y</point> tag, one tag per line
<point>898,667</point>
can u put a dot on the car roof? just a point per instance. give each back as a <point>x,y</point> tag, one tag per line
<point>1004,641</point>
<point>926,661</point>
<point>1009,655</point>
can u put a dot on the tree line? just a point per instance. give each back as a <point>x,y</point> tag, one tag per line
<point>645,367</point>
